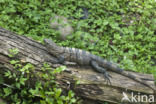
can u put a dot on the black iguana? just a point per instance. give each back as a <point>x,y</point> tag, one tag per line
<point>82,57</point>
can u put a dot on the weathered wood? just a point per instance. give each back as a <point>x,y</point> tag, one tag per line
<point>2,101</point>
<point>92,84</point>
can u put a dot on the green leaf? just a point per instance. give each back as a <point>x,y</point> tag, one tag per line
<point>8,74</point>
<point>14,61</point>
<point>57,92</point>
<point>7,91</point>
<point>117,36</point>
<point>22,80</point>
<point>70,94</point>
<point>105,22</point>
<point>1,79</point>
<point>59,69</point>
<point>18,85</point>
<point>73,100</point>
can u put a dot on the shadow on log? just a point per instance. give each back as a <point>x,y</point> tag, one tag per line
<point>92,84</point>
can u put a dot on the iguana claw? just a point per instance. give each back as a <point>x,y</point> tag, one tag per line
<point>107,78</point>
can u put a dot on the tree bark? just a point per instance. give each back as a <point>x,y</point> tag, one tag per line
<point>92,84</point>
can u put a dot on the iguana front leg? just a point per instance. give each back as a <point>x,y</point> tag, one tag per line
<point>95,65</point>
<point>61,59</point>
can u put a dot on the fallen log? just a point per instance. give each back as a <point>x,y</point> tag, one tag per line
<point>92,85</point>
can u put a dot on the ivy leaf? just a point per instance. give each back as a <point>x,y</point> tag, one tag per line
<point>7,91</point>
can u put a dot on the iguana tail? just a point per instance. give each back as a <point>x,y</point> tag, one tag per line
<point>129,75</point>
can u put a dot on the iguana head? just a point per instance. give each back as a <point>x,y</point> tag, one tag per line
<point>52,47</point>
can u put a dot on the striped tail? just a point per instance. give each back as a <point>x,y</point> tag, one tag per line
<point>116,69</point>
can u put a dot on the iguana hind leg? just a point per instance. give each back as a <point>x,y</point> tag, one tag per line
<point>95,65</point>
